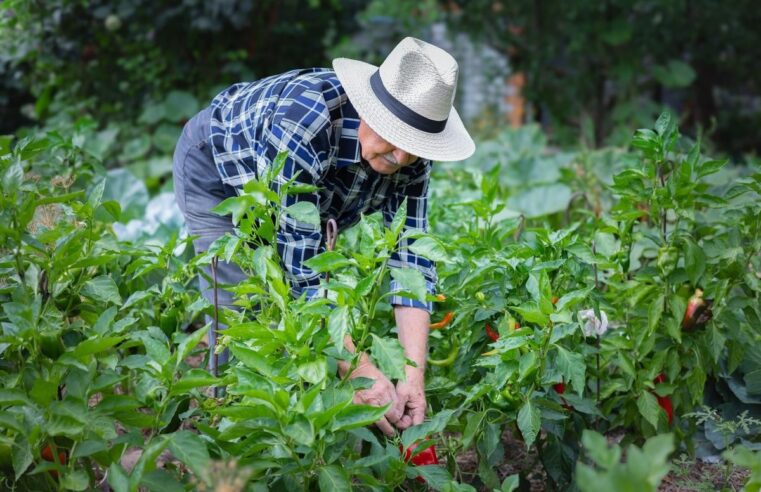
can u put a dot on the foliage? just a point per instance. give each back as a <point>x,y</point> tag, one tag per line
<point>642,470</point>
<point>599,69</point>
<point>742,456</point>
<point>97,330</point>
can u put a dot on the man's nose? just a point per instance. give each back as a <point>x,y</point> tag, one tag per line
<point>402,157</point>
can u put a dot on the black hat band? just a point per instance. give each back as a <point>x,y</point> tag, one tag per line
<point>401,111</point>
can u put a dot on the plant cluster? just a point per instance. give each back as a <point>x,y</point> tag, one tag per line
<point>613,312</point>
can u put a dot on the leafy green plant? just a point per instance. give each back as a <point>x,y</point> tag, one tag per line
<point>642,468</point>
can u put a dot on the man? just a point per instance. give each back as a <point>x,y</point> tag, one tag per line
<point>365,136</point>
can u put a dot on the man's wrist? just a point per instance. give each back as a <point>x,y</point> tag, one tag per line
<point>415,374</point>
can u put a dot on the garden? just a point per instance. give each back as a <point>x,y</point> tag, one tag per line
<point>596,317</point>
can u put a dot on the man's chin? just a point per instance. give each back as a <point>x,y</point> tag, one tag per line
<point>383,168</point>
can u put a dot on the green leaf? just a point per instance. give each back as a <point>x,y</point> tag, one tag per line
<point>102,289</point>
<point>694,261</point>
<point>117,478</point>
<point>753,382</point>
<point>76,480</point>
<point>435,476</point>
<point>251,359</point>
<point>510,483</point>
<point>338,326</point>
<point>300,430</point>
<point>418,432</point>
<point>333,479</point>
<point>654,313</point>
<point>190,449</point>
<point>529,422</point>
<point>194,378</point>
<point>571,365</point>
<point>597,448</point>
<point>410,280</point>
<point>572,298</point>
<point>354,416</point>
<point>649,408</point>
<point>180,105</point>
<point>304,211</point>
<point>92,346</point>
<point>658,448</point>
<point>105,320</point>
<point>531,313</point>
<point>711,167</point>
<point>313,372</point>
<point>136,148</point>
<point>96,194</point>
<point>236,206</point>
<point>327,261</point>
<point>21,455</point>
<point>189,343</point>
<point>400,217</point>
<point>388,355</point>
<point>674,74</point>
<point>165,137</point>
<point>161,481</point>
<point>431,248</point>
<point>12,178</point>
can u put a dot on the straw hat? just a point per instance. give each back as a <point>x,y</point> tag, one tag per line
<point>408,100</point>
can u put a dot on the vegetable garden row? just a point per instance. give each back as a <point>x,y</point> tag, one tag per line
<point>622,314</point>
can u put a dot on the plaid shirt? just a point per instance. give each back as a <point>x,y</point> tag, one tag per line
<point>307,113</point>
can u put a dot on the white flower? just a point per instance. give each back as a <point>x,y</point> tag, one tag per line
<point>593,326</point>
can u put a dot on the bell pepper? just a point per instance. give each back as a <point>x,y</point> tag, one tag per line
<point>423,458</point>
<point>664,401</point>
<point>698,312</point>
<point>560,389</point>
<point>47,455</point>
<point>444,322</point>
<point>491,333</point>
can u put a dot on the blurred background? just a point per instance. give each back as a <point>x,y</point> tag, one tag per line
<point>584,69</point>
<point>536,75</point>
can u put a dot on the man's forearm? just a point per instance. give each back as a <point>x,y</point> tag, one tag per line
<point>413,324</point>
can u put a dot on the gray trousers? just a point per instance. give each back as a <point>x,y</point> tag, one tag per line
<point>198,188</point>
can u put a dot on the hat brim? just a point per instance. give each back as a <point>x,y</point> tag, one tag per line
<point>451,144</point>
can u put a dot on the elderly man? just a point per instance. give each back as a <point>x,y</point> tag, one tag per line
<point>365,136</point>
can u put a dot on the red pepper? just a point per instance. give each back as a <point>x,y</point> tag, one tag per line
<point>423,458</point>
<point>444,322</point>
<point>664,401</point>
<point>441,298</point>
<point>698,312</point>
<point>491,333</point>
<point>47,455</point>
<point>560,389</point>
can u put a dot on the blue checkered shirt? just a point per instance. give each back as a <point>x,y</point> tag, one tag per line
<point>307,113</point>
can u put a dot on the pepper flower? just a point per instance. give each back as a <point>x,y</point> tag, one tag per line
<point>593,326</point>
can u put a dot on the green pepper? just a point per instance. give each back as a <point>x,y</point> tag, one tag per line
<point>449,360</point>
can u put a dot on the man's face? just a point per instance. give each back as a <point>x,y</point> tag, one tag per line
<point>383,157</point>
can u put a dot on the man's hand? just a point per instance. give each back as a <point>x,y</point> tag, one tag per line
<point>413,336</point>
<point>381,393</point>
<point>411,394</point>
